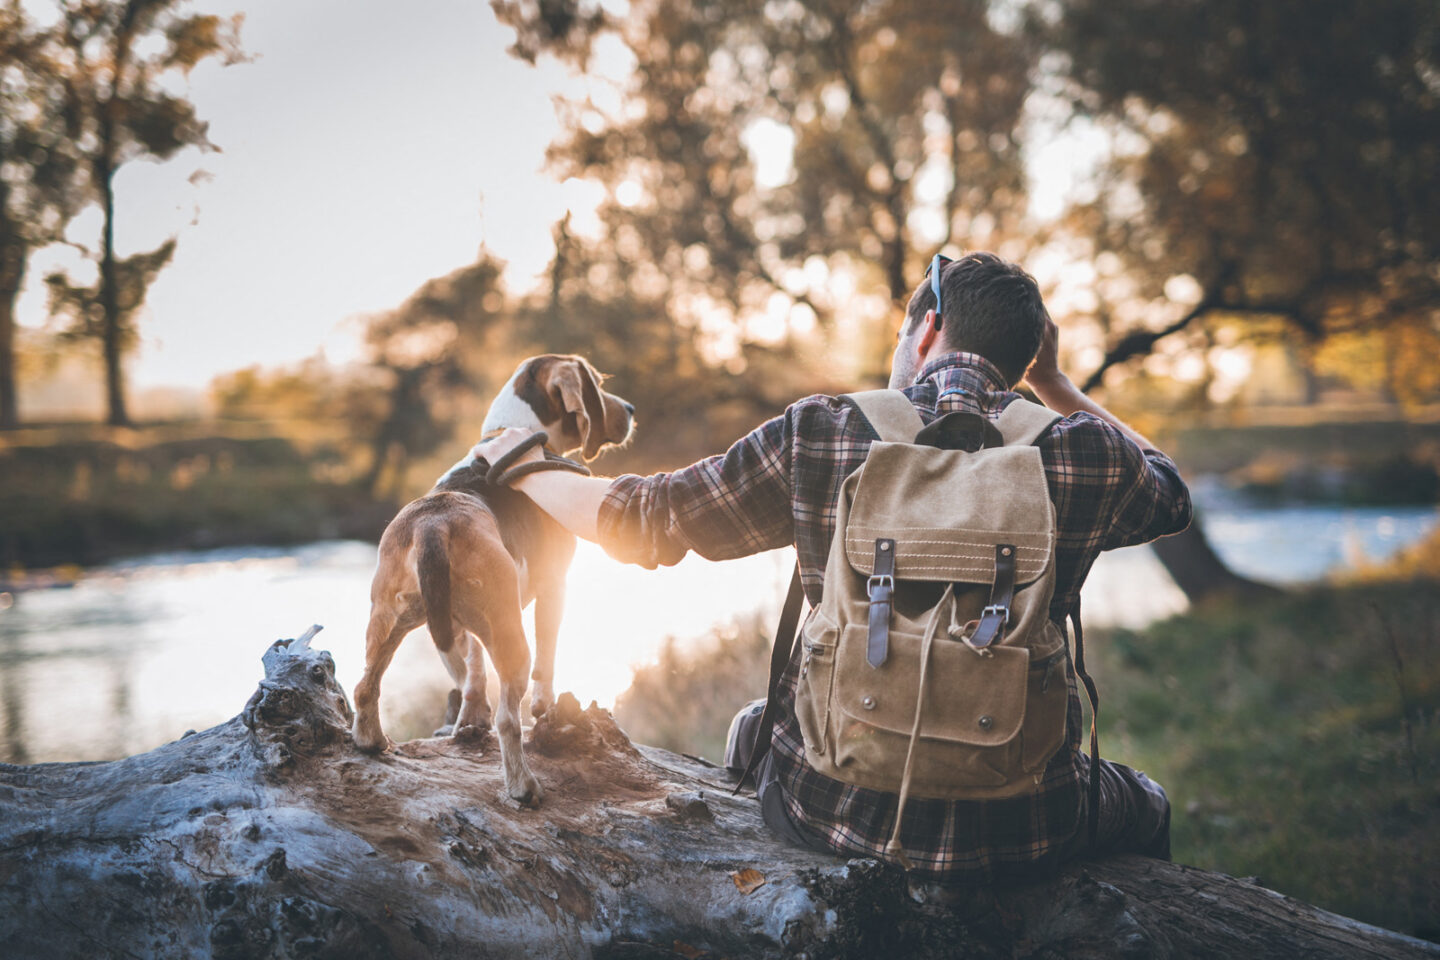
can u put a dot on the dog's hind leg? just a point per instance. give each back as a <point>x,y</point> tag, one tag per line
<point>511,656</point>
<point>493,615</point>
<point>382,637</point>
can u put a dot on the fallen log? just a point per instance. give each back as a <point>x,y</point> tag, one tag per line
<point>271,836</point>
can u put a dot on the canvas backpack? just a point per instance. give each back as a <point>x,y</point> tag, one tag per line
<point>930,667</point>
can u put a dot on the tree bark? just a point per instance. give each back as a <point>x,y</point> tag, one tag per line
<point>1198,570</point>
<point>12,273</point>
<point>270,836</point>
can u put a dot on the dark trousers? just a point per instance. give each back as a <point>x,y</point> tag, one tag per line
<point>1134,811</point>
<point>739,745</point>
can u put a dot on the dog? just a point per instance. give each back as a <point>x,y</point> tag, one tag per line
<point>469,556</point>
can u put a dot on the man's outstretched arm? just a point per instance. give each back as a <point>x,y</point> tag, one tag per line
<point>574,501</point>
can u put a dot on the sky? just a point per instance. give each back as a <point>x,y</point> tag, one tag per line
<point>368,147</point>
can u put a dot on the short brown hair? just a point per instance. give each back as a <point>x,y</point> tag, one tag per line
<point>991,307</point>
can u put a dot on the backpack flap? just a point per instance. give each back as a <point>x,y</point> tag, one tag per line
<point>947,511</point>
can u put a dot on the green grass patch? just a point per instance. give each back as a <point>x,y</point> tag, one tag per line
<point>1289,752</point>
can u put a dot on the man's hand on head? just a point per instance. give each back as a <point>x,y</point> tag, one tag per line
<point>503,442</point>
<point>1045,369</point>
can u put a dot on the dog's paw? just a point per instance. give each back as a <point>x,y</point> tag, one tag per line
<point>542,698</point>
<point>526,790</point>
<point>374,746</point>
<point>471,734</point>
<point>444,731</point>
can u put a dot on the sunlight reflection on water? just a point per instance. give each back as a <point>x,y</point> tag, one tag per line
<point>137,653</point>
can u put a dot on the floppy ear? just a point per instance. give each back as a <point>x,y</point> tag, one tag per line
<point>579,390</point>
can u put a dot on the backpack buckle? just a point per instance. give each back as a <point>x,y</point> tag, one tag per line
<point>880,582</point>
<point>1002,611</point>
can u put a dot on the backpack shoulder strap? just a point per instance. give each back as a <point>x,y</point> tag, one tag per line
<point>890,412</point>
<point>1022,422</point>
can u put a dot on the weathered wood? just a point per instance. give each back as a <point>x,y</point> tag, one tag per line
<point>271,836</point>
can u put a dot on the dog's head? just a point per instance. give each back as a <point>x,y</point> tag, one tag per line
<point>562,395</point>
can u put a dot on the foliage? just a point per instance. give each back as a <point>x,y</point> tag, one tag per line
<point>83,308</point>
<point>41,174</point>
<point>685,700</point>
<point>767,154</point>
<point>85,500</point>
<point>1269,160</point>
<point>425,349</point>
<point>116,109</point>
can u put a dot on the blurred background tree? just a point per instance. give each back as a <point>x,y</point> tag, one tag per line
<point>41,174</point>
<point>114,58</point>
<point>772,167</point>
<point>424,351</point>
<point>1271,162</point>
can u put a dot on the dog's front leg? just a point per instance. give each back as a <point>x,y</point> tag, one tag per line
<point>465,661</point>
<point>549,609</point>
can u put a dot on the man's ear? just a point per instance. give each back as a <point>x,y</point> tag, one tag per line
<point>927,336</point>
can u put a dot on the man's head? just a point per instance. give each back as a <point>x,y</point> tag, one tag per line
<point>989,306</point>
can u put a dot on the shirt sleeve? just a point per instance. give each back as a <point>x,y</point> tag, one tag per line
<point>1117,493</point>
<point>721,507</point>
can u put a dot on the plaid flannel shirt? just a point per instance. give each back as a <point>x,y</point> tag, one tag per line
<point>778,486</point>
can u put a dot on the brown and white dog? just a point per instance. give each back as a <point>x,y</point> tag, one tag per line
<point>468,556</point>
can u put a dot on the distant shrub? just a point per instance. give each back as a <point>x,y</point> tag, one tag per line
<point>685,700</point>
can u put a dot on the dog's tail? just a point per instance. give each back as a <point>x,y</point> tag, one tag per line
<point>432,563</point>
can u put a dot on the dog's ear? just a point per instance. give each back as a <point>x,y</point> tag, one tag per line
<point>579,388</point>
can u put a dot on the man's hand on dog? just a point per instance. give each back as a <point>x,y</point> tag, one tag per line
<point>505,441</point>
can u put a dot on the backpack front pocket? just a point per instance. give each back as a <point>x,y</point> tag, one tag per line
<point>971,721</point>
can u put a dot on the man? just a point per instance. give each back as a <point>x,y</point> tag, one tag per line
<point>778,486</point>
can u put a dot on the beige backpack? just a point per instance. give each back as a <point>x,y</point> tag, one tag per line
<point>931,667</point>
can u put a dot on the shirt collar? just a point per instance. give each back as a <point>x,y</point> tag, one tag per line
<point>965,372</point>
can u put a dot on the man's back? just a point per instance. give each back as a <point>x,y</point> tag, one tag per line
<point>779,484</point>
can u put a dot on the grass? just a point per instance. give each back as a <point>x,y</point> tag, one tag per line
<point>1297,739</point>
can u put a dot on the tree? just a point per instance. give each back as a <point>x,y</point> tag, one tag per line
<point>765,150</point>
<point>91,317</point>
<point>119,110</point>
<point>1271,161</point>
<point>423,348</point>
<point>41,176</point>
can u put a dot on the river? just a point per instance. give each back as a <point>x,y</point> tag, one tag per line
<point>136,653</point>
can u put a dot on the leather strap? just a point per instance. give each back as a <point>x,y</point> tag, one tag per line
<point>504,471</point>
<point>881,588</point>
<point>552,461</point>
<point>1093,826</point>
<point>995,616</point>
<point>780,654</point>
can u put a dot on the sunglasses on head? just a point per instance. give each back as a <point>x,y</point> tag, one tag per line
<point>933,271</point>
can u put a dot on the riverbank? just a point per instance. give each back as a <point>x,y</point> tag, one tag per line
<point>82,494</point>
<point>72,498</point>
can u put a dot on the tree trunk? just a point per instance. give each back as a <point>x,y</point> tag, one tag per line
<point>1198,570</point>
<point>111,331</point>
<point>271,836</point>
<point>12,274</point>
